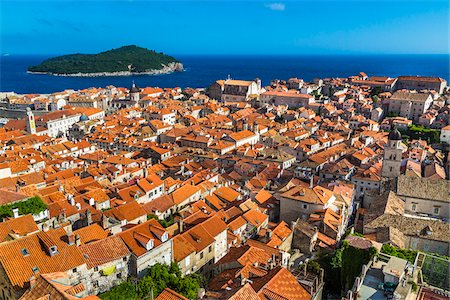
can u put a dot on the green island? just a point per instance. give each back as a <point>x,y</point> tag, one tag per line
<point>123,61</point>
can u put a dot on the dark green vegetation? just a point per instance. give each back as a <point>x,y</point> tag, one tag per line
<point>342,266</point>
<point>409,255</point>
<point>33,205</point>
<point>434,269</point>
<point>415,132</point>
<point>127,58</point>
<point>158,278</point>
<point>376,91</point>
<point>164,223</point>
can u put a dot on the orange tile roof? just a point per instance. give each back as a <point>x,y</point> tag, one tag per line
<point>183,193</point>
<point>104,251</point>
<point>237,223</point>
<point>150,230</point>
<point>263,196</point>
<point>91,233</point>
<point>181,248</point>
<point>198,237</point>
<point>21,226</point>
<point>55,286</point>
<point>19,267</point>
<point>8,197</point>
<point>279,284</point>
<point>227,194</point>
<point>255,217</point>
<point>237,136</point>
<point>168,294</point>
<point>128,211</point>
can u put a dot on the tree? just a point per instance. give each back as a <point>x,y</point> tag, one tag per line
<point>376,90</point>
<point>123,291</point>
<point>352,261</point>
<point>33,205</point>
<point>375,99</point>
<point>158,278</point>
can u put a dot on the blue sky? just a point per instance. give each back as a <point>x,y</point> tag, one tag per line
<point>226,27</point>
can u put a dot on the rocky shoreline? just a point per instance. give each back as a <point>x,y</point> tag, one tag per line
<point>167,69</point>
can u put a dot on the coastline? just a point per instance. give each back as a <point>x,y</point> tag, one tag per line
<point>166,69</point>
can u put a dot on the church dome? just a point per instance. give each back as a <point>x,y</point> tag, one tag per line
<point>134,89</point>
<point>395,135</point>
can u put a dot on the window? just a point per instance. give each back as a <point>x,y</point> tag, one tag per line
<point>53,250</point>
<point>119,275</point>
<point>413,207</point>
<point>124,259</point>
<point>201,255</point>
<point>74,270</point>
<point>96,269</point>
<point>305,206</point>
<point>35,269</point>
<point>210,249</point>
<point>436,210</point>
<point>25,252</point>
<point>187,261</point>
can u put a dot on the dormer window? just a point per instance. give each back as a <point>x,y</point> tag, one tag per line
<point>150,245</point>
<point>53,250</point>
<point>164,237</point>
<point>35,270</point>
<point>25,252</point>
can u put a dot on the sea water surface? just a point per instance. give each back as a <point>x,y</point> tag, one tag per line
<point>201,71</point>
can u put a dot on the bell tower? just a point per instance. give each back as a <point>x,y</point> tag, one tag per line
<point>134,92</point>
<point>31,125</point>
<point>392,157</point>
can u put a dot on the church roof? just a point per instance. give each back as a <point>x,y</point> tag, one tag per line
<point>134,89</point>
<point>395,135</point>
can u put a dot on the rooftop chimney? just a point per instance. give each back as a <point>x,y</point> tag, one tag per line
<point>88,217</point>
<point>77,240</point>
<point>15,212</point>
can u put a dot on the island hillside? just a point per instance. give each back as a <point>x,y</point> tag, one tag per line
<point>121,61</point>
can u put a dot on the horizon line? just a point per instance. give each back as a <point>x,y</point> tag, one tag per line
<point>245,54</point>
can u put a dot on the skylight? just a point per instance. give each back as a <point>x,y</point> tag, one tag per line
<point>25,252</point>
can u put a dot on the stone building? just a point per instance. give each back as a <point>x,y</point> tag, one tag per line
<point>240,90</point>
<point>301,202</point>
<point>107,262</point>
<point>421,83</point>
<point>410,105</point>
<point>305,237</point>
<point>150,244</point>
<point>424,196</point>
<point>292,100</point>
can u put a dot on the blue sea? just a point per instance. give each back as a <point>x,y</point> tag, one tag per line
<point>201,71</point>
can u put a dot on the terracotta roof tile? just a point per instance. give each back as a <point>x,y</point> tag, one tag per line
<point>104,251</point>
<point>168,294</point>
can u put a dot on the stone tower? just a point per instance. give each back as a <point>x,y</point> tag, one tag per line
<point>134,93</point>
<point>392,158</point>
<point>31,125</point>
